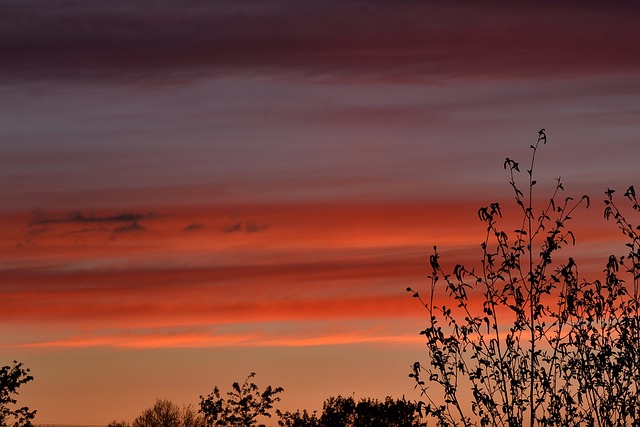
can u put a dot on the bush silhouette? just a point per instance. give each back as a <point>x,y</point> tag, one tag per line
<point>165,413</point>
<point>11,378</point>
<point>346,412</point>
<point>244,405</point>
<point>523,339</point>
<point>298,419</point>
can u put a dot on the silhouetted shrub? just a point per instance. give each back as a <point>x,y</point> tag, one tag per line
<point>165,413</point>
<point>523,339</point>
<point>242,407</point>
<point>346,412</point>
<point>11,378</point>
<point>298,419</point>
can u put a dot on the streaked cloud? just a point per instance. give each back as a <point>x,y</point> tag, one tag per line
<point>78,224</point>
<point>326,262</point>
<point>40,218</point>
<point>372,40</point>
<point>247,227</point>
<point>193,227</point>
<point>197,338</point>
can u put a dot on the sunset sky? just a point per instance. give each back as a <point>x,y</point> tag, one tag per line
<point>195,190</point>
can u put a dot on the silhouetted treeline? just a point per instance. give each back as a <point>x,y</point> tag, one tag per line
<point>347,412</point>
<point>246,406</point>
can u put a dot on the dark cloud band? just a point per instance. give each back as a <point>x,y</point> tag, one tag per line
<point>129,39</point>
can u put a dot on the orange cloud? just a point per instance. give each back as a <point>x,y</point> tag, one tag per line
<point>304,337</point>
<point>244,264</point>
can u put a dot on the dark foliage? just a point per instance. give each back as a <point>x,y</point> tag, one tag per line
<point>11,378</point>
<point>243,406</point>
<point>523,339</point>
<point>165,413</point>
<point>346,412</point>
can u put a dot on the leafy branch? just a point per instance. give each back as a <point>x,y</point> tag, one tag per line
<point>524,339</point>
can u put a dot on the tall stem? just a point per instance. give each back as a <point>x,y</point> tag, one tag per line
<point>532,288</point>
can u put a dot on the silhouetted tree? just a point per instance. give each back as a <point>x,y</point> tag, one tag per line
<point>298,419</point>
<point>191,417</point>
<point>523,339</point>
<point>11,378</point>
<point>388,413</point>
<point>338,411</point>
<point>346,412</point>
<point>165,413</point>
<point>242,407</point>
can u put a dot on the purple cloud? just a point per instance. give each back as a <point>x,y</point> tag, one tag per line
<point>377,40</point>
